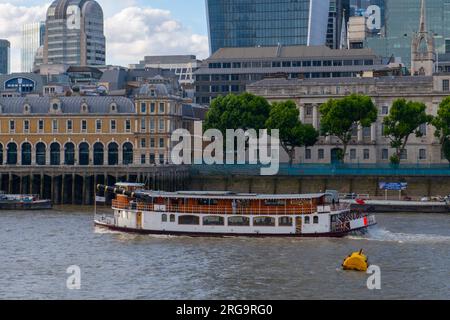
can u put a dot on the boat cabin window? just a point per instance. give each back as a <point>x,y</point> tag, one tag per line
<point>274,202</point>
<point>264,222</point>
<point>286,222</point>
<point>172,218</point>
<point>316,220</point>
<point>239,221</point>
<point>213,221</point>
<point>164,218</point>
<point>307,220</point>
<point>188,220</point>
<point>207,202</point>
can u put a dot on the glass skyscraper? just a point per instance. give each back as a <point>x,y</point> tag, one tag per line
<point>400,20</point>
<point>32,39</point>
<point>252,23</point>
<point>5,56</point>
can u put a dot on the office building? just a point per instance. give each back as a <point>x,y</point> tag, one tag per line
<point>392,25</point>
<point>337,19</point>
<point>368,145</point>
<point>32,39</point>
<point>5,56</point>
<point>229,70</point>
<point>252,23</point>
<point>74,33</point>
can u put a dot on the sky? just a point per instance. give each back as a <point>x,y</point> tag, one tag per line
<point>133,28</point>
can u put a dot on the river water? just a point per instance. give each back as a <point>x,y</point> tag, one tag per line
<point>36,248</point>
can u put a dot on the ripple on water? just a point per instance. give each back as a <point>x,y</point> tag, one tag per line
<point>39,247</point>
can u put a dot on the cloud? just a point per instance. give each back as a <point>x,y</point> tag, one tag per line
<point>135,32</point>
<point>132,32</point>
<point>12,18</point>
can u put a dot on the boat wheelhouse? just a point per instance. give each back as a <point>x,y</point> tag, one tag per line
<point>229,214</point>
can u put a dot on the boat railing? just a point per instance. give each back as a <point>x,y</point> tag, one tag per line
<point>227,210</point>
<point>104,219</point>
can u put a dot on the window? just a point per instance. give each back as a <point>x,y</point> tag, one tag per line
<point>26,126</point>
<point>352,154</point>
<point>127,125</point>
<point>316,220</point>
<point>307,220</point>
<point>55,125</point>
<point>423,129</point>
<point>239,221</point>
<point>152,142</point>
<point>69,126</point>
<point>113,126</point>
<point>143,143</point>
<point>41,126</point>
<point>143,107</point>
<point>162,107</point>
<point>321,154</point>
<point>172,218</point>
<point>161,159</point>
<point>152,158</point>
<point>152,125</point>
<point>384,154</point>
<point>308,154</point>
<point>422,154</point>
<point>285,222</point>
<point>367,132</point>
<point>98,125</point>
<point>164,217</point>
<point>12,126</point>
<point>366,154</point>
<point>83,125</point>
<point>161,125</point>
<point>143,125</point>
<point>384,110</point>
<point>309,110</point>
<point>445,85</point>
<point>188,220</point>
<point>143,158</point>
<point>404,154</point>
<point>264,222</point>
<point>213,221</point>
<point>152,107</point>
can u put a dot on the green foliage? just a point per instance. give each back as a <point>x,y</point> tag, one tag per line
<point>339,116</point>
<point>442,124</point>
<point>245,111</point>
<point>284,116</point>
<point>404,119</point>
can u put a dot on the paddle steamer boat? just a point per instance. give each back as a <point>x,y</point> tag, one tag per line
<point>229,214</point>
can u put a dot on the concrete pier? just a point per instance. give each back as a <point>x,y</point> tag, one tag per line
<point>76,185</point>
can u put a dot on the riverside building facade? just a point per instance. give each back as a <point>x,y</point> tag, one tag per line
<point>91,131</point>
<point>369,145</point>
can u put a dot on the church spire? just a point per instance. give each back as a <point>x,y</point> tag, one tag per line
<point>423,19</point>
<point>423,55</point>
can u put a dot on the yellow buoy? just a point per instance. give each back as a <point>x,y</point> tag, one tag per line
<point>357,261</point>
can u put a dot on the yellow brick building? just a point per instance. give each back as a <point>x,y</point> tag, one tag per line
<point>96,130</point>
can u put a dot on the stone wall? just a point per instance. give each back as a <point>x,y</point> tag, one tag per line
<point>418,186</point>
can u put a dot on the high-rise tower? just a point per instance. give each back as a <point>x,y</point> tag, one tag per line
<point>75,33</point>
<point>253,23</point>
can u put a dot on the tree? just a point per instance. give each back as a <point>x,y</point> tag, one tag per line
<point>293,134</point>
<point>404,119</point>
<point>245,111</point>
<point>442,124</point>
<point>340,116</point>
